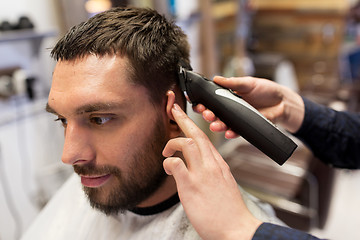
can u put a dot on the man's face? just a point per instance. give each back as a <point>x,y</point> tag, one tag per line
<point>114,135</point>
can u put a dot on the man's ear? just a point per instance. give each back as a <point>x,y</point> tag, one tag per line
<point>174,128</point>
<point>169,104</point>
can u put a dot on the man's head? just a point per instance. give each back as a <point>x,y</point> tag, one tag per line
<point>153,45</point>
<point>109,91</point>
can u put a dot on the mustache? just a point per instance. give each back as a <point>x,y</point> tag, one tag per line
<point>91,169</point>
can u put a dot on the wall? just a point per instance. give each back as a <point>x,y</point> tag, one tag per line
<point>30,142</point>
<point>44,13</point>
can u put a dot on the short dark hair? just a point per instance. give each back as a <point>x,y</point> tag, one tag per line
<point>153,45</point>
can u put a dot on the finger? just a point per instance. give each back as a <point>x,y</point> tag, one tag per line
<point>225,169</point>
<point>241,85</point>
<point>218,126</point>
<point>176,167</point>
<point>229,134</point>
<point>209,116</point>
<point>219,159</point>
<point>192,131</point>
<point>199,108</point>
<point>187,125</point>
<point>187,146</point>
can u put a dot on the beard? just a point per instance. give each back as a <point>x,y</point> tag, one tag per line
<point>126,192</point>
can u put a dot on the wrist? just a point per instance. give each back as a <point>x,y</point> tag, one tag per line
<point>245,231</point>
<point>294,111</point>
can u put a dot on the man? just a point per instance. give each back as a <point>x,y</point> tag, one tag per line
<point>115,91</point>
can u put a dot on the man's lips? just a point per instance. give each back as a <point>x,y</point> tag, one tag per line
<point>94,181</point>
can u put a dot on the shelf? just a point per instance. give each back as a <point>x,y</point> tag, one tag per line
<point>32,36</point>
<point>21,35</point>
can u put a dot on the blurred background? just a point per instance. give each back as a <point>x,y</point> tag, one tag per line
<point>310,46</point>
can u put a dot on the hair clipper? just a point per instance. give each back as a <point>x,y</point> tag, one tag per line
<point>237,114</point>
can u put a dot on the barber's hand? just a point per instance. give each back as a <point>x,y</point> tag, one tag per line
<point>206,187</point>
<point>278,103</point>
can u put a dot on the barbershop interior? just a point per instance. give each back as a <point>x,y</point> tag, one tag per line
<point>312,47</point>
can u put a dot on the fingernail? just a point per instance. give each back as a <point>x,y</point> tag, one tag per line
<point>176,107</point>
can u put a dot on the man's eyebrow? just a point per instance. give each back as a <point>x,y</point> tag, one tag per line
<point>50,109</point>
<point>93,107</point>
<point>99,106</point>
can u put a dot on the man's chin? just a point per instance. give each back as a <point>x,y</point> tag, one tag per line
<point>99,200</point>
<point>109,202</point>
<point>107,209</point>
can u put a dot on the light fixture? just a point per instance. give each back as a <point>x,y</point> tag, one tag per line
<point>96,6</point>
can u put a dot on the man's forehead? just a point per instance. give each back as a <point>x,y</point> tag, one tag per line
<point>90,73</point>
<point>90,87</point>
<point>94,64</point>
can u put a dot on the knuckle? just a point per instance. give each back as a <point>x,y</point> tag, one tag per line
<point>190,141</point>
<point>226,167</point>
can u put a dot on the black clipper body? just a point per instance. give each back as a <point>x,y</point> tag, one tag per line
<point>238,115</point>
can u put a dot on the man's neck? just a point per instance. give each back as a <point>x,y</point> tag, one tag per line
<point>165,191</point>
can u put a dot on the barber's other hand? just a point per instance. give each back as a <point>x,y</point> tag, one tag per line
<point>206,187</point>
<point>277,103</point>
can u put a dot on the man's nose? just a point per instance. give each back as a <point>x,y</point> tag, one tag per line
<point>77,146</point>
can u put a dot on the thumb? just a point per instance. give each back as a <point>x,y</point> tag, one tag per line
<point>176,167</point>
<point>240,84</point>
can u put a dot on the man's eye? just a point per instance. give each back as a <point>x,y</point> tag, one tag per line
<point>99,120</point>
<point>62,120</point>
